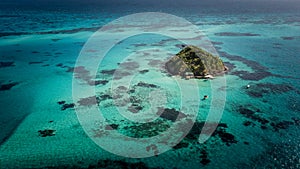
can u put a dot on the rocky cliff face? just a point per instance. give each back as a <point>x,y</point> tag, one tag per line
<point>196,61</point>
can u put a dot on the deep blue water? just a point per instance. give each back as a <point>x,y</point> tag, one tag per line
<point>40,42</point>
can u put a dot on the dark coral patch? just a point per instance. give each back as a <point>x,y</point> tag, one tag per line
<point>230,66</point>
<point>97,82</point>
<point>275,88</point>
<point>248,123</point>
<point>46,133</point>
<point>139,44</point>
<point>144,71</point>
<point>205,161</point>
<point>135,108</point>
<point>263,127</point>
<point>6,64</point>
<point>111,127</point>
<point>252,115</point>
<point>58,53</point>
<point>80,73</point>
<point>296,121</point>
<point>59,65</point>
<point>108,72</point>
<point>147,85</point>
<point>120,74</point>
<point>105,97</point>
<point>245,75</point>
<point>260,89</point>
<point>55,39</point>
<point>144,130</point>
<point>3,34</point>
<point>79,69</point>
<point>195,131</point>
<point>204,157</point>
<point>287,38</point>
<point>170,114</point>
<point>129,65</point>
<point>135,100</point>
<point>254,65</point>
<point>61,102</point>
<point>227,138</point>
<point>276,125</point>
<point>131,91</point>
<point>220,132</point>
<point>122,88</point>
<point>89,101</point>
<point>67,106</point>
<point>246,143</point>
<point>281,125</point>
<point>181,145</point>
<point>217,43</point>
<point>8,86</point>
<point>203,154</point>
<point>260,72</point>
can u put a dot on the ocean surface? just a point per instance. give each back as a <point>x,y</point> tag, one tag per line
<point>46,52</point>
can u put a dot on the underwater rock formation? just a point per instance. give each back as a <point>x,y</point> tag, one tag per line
<point>6,64</point>
<point>67,106</point>
<point>8,86</point>
<point>47,132</point>
<point>195,61</point>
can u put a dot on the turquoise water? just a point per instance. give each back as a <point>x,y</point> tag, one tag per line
<point>40,45</point>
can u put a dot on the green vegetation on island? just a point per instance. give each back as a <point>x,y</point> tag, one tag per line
<point>196,62</point>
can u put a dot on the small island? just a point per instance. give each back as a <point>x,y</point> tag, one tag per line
<point>194,62</point>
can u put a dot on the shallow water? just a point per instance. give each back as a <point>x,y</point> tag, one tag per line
<point>40,45</point>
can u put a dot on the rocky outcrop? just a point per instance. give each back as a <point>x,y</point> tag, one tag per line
<point>194,61</point>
